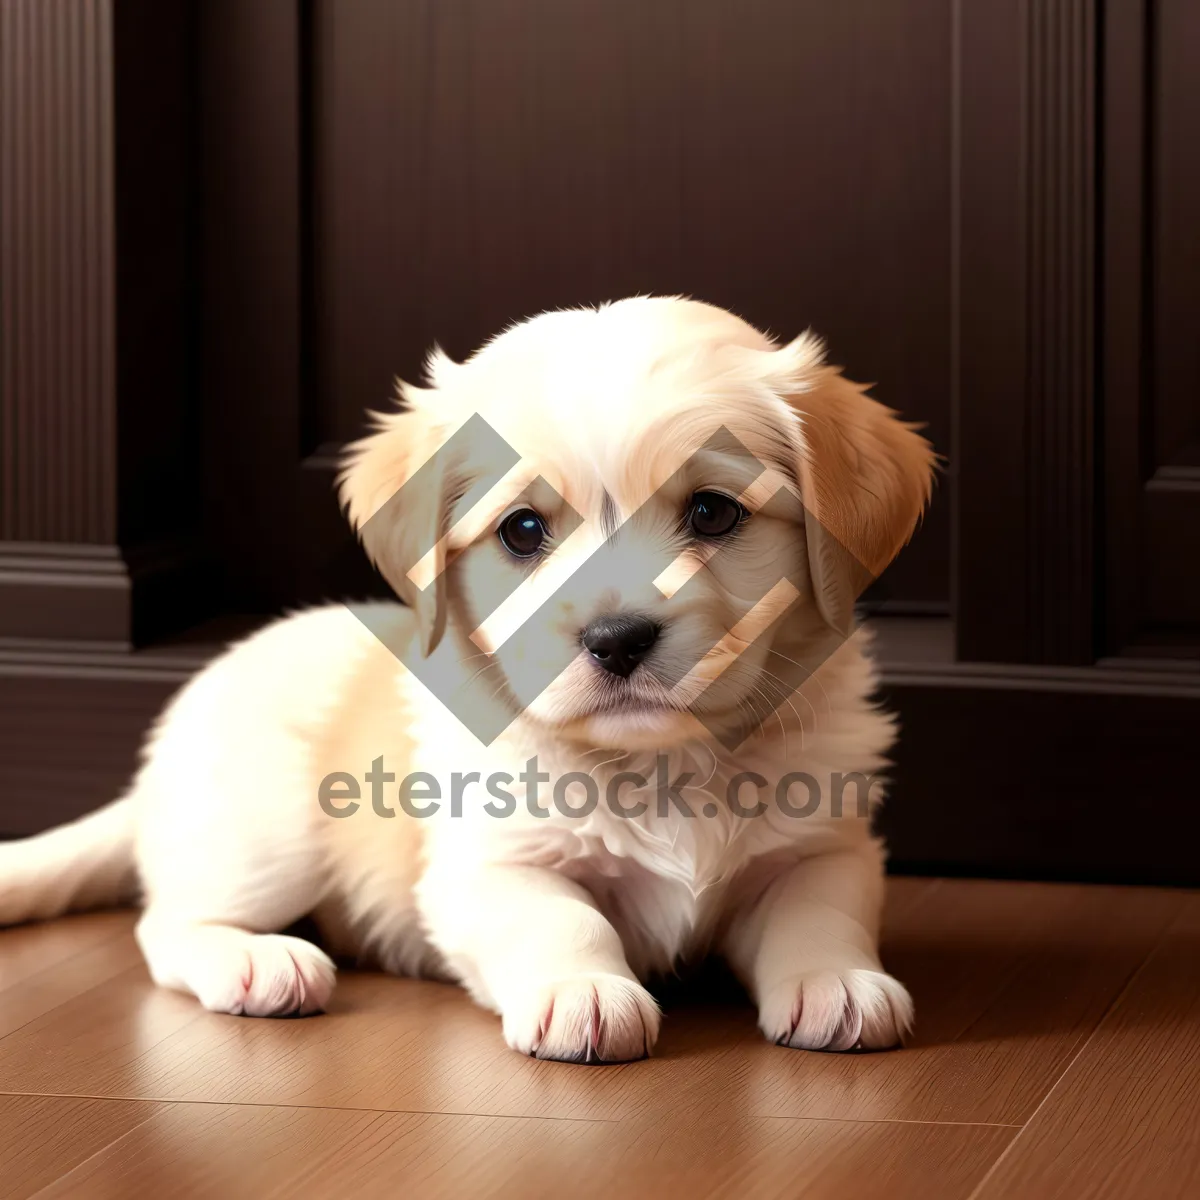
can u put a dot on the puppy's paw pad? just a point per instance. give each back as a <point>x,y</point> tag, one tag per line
<point>262,975</point>
<point>837,1010</point>
<point>584,1019</point>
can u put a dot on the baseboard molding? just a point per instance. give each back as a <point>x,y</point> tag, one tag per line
<point>63,591</point>
<point>1025,772</point>
<point>68,744</point>
<point>100,594</point>
<point>1044,775</point>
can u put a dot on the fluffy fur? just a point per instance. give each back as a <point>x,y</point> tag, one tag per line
<point>553,921</point>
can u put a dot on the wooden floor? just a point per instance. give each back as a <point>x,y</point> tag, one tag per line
<point>1057,1054</point>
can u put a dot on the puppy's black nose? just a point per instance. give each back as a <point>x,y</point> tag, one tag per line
<point>619,643</point>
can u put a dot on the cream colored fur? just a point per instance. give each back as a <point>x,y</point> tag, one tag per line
<point>555,922</point>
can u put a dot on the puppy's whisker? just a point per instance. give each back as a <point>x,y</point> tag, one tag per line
<point>755,726</point>
<point>788,692</point>
<point>711,773</point>
<point>772,709</point>
<point>595,750</point>
<point>606,762</point>
<point>482,670</point>
<point>480,654</point>
<point>809,675</point>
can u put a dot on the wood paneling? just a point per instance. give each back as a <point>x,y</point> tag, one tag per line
<point>1175,193</point>
<point>1152,249</point>
<point>1172,503</point>
<point>69,742</point>
<point>98,474</point>
<point>59,590</point>
<point>57,274</point>
<point>1041,773</point>
<point>1125,312</point>
<point>252,195</point>
<point>226,225</point>
<point>1025,388</point>
<point>1060,45</point>
<point>477,162</point>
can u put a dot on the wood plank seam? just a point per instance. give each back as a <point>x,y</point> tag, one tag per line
<point>95,1154</point>
<point>70,1000</point>
<point>437,1112</point>
<point>422,1112</point>
<point>8,987</point>
<point>1083,1045</point>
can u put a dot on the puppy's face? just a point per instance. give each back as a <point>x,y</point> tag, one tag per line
<point>633,517</point>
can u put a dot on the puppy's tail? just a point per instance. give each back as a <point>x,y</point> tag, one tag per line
<point>86,864</point>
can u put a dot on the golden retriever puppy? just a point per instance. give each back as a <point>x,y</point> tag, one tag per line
<point>624,719</point>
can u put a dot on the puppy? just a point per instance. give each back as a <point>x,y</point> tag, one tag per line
<point>629,540</point>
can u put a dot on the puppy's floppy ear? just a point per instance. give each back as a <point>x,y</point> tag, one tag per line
<point>394,488</point>
<point>865,475</point>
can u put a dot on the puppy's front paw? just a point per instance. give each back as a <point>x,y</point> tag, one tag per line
<point>584,1019</point>
<point>837,1010</point>
<point>260,975</point>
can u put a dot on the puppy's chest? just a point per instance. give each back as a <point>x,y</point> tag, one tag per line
<point>668,860</point>
<point>662,918</point>
<point>660,921</point>
<point>667,884</point>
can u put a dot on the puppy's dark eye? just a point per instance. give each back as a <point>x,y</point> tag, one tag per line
<point>523,533</point>
<point>711,514</point>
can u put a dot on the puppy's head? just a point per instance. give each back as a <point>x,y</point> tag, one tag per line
<point>627,515</point>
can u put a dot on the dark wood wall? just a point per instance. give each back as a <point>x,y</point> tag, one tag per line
<point>227,226</point>
<point>98,486</point>
<point>1151,355</point>
<point>482,160</point>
